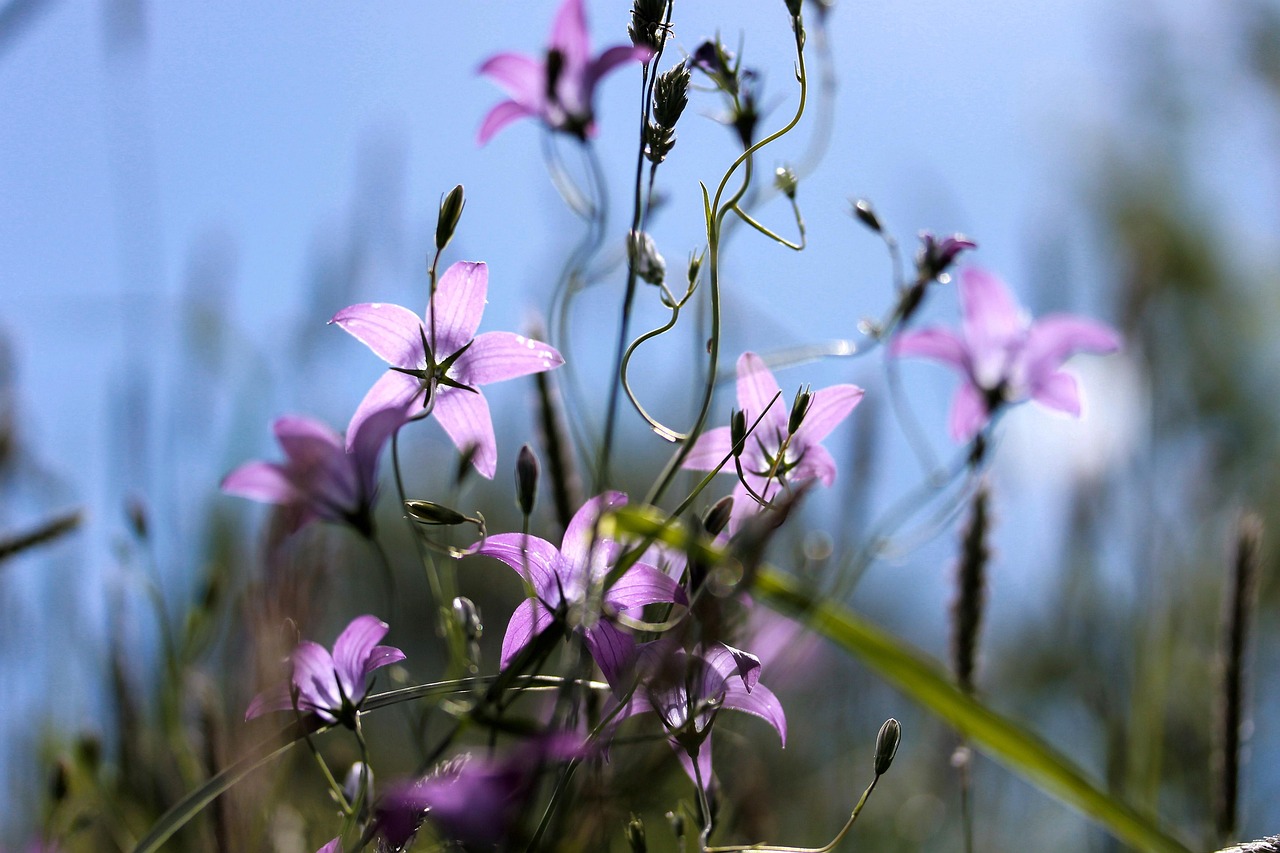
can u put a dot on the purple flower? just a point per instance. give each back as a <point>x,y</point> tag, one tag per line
<point>322,477</point>
<point>936,256</point>
<point>439,363</point>
<point>473,802</point>
<point>687,690</point>
<point>563,580</point>
<point>558,89</point>
<point>1003,356</point>
<point>774,456</point>
<point>334,846</point>
<point>333,686</point>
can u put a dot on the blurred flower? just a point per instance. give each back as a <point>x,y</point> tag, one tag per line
<point>322,477</point>
<point>688,689</point>
<point>557,90</point>
<point>438,363</point>
<point>772,455</point>
<point>472,802</point>
<point>936,256</point>
<point>333,686</point>
<point>1003,356</point>
<point>564,579</point>
<point>334,846</point>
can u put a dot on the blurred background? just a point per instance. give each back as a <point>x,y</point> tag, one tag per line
<point>190,191</point>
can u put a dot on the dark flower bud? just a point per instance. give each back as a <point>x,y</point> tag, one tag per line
<point>527,470</point>
<point>786,180</point>
<point>645,260</point>
<point>793,6</point>
<point>717,517</point>
<point>429,512</point>
<point>738,431</point>
<point>635,835</point>
<point>746,112</point>
<point>695,267</point>
<point>866,215</point>
<point>936,256</point>
<point>713,60</point>
<point>887,745</point>
<point>677,826</point>
<point>799,408</point>
<point>467,615</point>
<point>450,213</point>
<point>646,28</point>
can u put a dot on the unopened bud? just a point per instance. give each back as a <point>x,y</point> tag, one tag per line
<point>717,517</point>
<point>738,431</point>
<point>786,180</point>
<point>793,6</point>
<point>527,470</point>
<point>635,835</point>
<point>677,826</point>
<point>799,408</point>
<point>467,615</point>
<point>645,260</point>
<point>887,744</point>
<point>695,268</point>
<point>866,215</point>
<point>351,785</point>
<point>429,512</point>
<point>450,213</point>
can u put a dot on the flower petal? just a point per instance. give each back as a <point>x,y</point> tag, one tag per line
<point>611,59</point>
<point>315,675</point>
<point>641,585</point>
<point>393,332</point>
<point>613,650</point>
<point>760,702</point>
<point>458,305</point>
<point>829,407</point>
<point>394,397</point>
<point>536,560</point>
<point>499,117</point>
<point>728,662</point>
<point>351,653</point>
<point>260,481</point>
<point>711,448</point>
<point>278,697</point>
<point>569,34</point>
<point>334,846</point>
<point>495,356</point>
<point>756,390</point>
<point>528,620</point>
<point>367,441</point>
<point>1058,391</point>
<point>523,77</point>
<point>703,763</point>
<point>941,345</point>
<point>991,316</point>
<point>1056,337</point>
<point>465,417</point>
<point>818,463</point>
<point>581,528</point>
<point>319,466</point>
<point>968,413</point>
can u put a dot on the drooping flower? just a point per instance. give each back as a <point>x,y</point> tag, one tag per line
<point>687,690</point>
<point>473,802</point>
<point>331,685</point>
<point>558,89</point>
<point>438,362</point>
<point>321,477</point>
<point>1003,356</point>
<point>774,455</point>
<point>565,579</point>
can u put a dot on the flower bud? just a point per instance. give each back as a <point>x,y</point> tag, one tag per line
<point>887,745</point>
<point>738,431</point>
<point>786,180</point>
<point>793,6</point>
<point>450,213</point>
<point>645,260</point>
<point>429,512</point>
<point>467,615</point>
<point>799,408</point>
<point>866,214</point>
<point>351,784</point>
<point>936,256</point>
<point>527,470</point>
<point>695,268</point>
<point>635,835</point>
<point>717,517</point>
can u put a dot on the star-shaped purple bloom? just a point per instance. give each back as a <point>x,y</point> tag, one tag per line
<point>438,363</point>
<point>688,689</point>
<point>558,89</point>
<point>772,455</point>
<point>1003,356</point>
<point>333,686</point>
<point>562,580</point>
<point>321,477</point>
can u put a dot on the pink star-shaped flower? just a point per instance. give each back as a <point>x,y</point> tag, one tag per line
<point>1003,356</point>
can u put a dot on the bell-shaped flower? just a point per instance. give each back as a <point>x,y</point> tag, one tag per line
<point>774,455</point>
<point>438,362</point>
<point>1003,356</point>
<point>687,690</point>
<point>566,580</point>
<point>331,685</point>
<point>322,476</point>
<point>557,89</point>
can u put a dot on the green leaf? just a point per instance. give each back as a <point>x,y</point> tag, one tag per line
<point>920,678</point>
